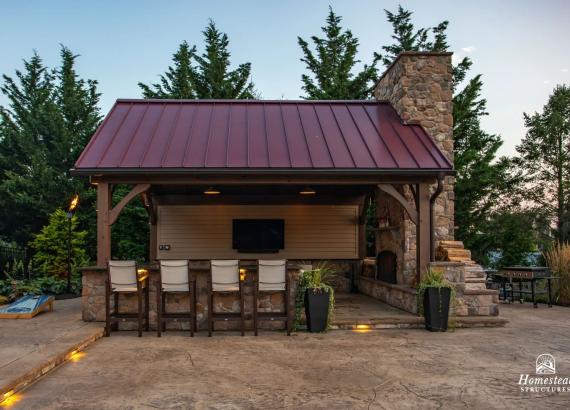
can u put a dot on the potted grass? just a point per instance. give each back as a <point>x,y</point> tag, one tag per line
<point>316,295</point>
<point>434,298</point>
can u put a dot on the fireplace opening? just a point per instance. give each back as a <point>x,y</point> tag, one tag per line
<point>386,264</point>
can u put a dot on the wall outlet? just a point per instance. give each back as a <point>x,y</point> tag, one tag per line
<point>163,247</point>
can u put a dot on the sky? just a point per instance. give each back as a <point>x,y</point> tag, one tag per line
<point>521,48</point>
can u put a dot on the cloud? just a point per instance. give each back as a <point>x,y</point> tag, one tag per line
<point>468,49</point>
<point>564,70</point>
<point>546,82</point>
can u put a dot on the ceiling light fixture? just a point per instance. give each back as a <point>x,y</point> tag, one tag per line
<point>212,191</point>
<point>307,191</point>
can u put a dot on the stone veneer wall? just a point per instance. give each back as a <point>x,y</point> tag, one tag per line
<point>471,296</point>
<point>93,300</point>
<point>419,87</point>
<point>93,296</point>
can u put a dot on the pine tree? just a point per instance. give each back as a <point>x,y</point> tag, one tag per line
<point>212,77</point>
<point>209,78</point>
<point>77,100</point>
<point>481,178</point>
<point>50,115</point>
<point>177,81</point>
<point>544,159</point>
<point>332,65</point>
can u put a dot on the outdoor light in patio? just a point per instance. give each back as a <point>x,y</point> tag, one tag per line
<point>242,273</point>
<point>73,204</point>
<point>307,191</point>
<point>212,191</point>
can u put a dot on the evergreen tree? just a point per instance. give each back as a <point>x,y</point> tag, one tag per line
<point>50,246</point>
<point>211,76</point>
<point>49,117</point>
<point>544,160</point>
<point>332,65</point>
<point>481,179</point>
<point>177,81</point>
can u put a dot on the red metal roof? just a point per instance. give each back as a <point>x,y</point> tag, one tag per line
<point>192,134</point>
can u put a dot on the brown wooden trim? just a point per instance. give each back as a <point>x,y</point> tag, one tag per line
<point>183,199</point>
<point>246,179</point>
<point>114,213</point>
<point>390,190</point>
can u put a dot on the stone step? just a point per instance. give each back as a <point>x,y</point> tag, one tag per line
<point>475,280</point>
<point>451,244</point>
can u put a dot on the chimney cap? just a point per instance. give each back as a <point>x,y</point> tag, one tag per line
<point>412,53</point>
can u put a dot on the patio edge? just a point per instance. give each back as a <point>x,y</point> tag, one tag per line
<point>29,377</point>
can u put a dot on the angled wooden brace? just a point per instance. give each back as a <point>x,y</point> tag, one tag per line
<point>114,213</point>
<point>393,192</point>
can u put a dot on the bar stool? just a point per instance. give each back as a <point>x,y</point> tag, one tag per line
<point>175,277</point>
<point>122,278</point>
<point>224,278</point>
<point>272,277</point>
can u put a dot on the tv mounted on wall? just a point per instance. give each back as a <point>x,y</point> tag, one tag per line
<point>258,235</point>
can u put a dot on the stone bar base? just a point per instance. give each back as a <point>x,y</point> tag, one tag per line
<point>93,300</point>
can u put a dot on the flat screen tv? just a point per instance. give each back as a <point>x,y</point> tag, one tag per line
<point>258,235</point>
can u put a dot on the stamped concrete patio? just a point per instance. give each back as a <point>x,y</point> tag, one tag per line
<point>380,369</point>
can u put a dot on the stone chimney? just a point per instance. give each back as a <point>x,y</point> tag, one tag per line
<point>419,87</point>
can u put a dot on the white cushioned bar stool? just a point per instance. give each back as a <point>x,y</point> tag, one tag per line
<point>123,279</point>
<point>175,277</point>
<point>272,277</point>
<point>224,278</point>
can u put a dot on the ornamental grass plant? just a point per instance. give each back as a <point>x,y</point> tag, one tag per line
<point>558,260</point>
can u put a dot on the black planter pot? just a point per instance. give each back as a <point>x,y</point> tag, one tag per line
<point>436,308</point>
<point>316,310</point>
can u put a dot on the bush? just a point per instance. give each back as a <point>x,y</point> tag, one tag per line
<point>13,289</point>
<point>50,246</point>
<point>558,260</point>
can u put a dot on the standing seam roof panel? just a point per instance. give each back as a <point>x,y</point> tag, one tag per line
<point>156,134</point>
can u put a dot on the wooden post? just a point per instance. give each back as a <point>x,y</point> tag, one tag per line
<point>422,229</point>
<point>153,242</point>
<point>103,225</point>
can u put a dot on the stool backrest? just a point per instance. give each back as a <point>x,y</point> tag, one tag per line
<point>225,275</point>
<point>123,275</point>
<point>272,275</point>
<point>174,275</point>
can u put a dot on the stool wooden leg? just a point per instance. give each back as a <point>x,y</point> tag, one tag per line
<point>140,311</point>
<point>158,310</point>
<point>107,312</point>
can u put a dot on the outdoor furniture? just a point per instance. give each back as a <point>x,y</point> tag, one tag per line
<point>510,275</point>
<point>123,278</point>
<point>174,277</point>
<point>224,278</point>
<point>271,278</point>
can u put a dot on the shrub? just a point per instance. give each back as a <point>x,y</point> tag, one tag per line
<point>558,260</point>
<point>13,289</point>
<point>50,246</point>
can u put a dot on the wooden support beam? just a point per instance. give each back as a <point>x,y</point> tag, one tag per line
<point>390,190</point>
<point>150,206</point>
<point>363,207</point>
<point>114,213</point>
<point>103,225</point>
<point>153,242</point>
<point>423,227</point>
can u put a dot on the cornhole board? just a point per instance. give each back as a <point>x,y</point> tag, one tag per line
<point>27,307</point>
